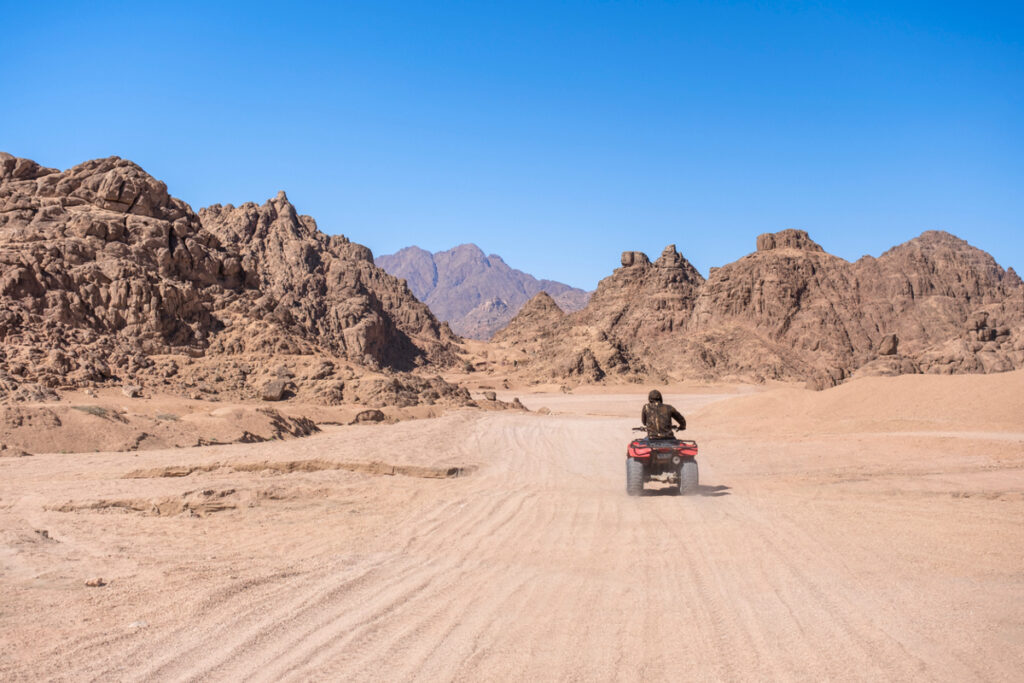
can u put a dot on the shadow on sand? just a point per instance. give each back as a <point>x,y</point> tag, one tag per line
<point>706,491</point>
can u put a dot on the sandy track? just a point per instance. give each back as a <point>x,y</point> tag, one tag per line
<point>537,566</point>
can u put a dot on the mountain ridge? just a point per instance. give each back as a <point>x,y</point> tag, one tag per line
<point>787,311</point>
<point>476,293</point>
<point>107,278</point>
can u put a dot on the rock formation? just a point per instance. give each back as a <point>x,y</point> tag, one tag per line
<point>476,294</point>
<point>325,290</point>
<point>106,278</point>
<point>536,316</point>
<point>788,311</point>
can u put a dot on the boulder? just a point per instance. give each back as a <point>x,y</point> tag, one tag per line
<point>634,258</point>
<point>274,390</point>
<point>976,321</point>
<point>371,415</point>
<point>585,366</point>
<point>889,345</point>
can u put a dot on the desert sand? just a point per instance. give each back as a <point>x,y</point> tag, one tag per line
<point>869,532</point>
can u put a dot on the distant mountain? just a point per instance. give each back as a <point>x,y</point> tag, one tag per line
<point>476,294</point>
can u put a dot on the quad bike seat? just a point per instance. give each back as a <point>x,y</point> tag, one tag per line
<point>662,449</point>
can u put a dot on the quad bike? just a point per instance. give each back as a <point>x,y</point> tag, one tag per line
<point>668,460</point>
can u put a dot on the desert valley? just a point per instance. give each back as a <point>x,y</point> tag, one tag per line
<point>233,447</point>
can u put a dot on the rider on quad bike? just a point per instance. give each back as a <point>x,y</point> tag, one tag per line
<point>661,456</point>
<point>658,416</point>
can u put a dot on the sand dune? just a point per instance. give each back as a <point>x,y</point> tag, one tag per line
<point>968,403</point>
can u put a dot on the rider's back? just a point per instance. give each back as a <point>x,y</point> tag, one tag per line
<point>657,417</point>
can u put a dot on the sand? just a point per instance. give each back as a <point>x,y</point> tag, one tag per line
<point>869,532</point>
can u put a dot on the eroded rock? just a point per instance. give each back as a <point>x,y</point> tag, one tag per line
<point>889,345</point>
<point>372,415</point>
<point>274,390</point>
<point>101,267</point>
<point>788,311</point>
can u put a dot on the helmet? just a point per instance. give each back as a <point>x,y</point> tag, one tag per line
<point>654,396</point>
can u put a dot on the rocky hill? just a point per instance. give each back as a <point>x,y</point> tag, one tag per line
<point>788,311</point>
<point>106,279</point>
<point>476,294</point>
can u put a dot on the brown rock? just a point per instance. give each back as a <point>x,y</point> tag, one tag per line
<point>490,396</point>
<point>585,366</point>
<point>274,390</point>
<point>978,320</point>
<point>369,416</point>
<point>788,311</point>
<point>98,582</point>
<point>322,370</point>
<point>100,265</point>
<point>787,239</point>
<point>634,258</point>
<point>535,317</point>
<point>669,258</point>
<point>889,345</point>
<point>325,291</point>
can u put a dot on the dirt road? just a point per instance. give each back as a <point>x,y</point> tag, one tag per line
<point>819,558</point>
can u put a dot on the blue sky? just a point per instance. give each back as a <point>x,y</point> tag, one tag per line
<point>556,134</point>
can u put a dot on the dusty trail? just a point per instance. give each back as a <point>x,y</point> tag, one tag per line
<point>537,566</point>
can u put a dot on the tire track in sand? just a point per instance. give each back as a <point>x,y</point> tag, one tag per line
<point>540,567</point>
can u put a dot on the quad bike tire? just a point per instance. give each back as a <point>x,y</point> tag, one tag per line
<point>689,478</point>
<point>634,477</point>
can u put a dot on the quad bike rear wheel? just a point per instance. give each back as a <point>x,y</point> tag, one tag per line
<point>634,477</point>
<point>689,478</point>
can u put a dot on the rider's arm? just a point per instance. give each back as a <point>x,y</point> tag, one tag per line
<point>679,418</point>
<point>643,416</point>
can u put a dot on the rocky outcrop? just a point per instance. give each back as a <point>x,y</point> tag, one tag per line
<point>481,321</point>
<point>634,258</point>
<point>101,267</point>
<point>771,312</point>
<point>107,279</point>
<point>535,318</point>
<point>889,345</point>
<point>789,311</point>
<point>632,314</point>
<point>325,290</point>
<point>475,293</point>
<point>787,239</point>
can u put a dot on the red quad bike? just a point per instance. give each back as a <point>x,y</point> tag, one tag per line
<point>668,460</point>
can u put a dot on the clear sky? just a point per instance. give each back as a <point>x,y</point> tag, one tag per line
<point>556,134</point>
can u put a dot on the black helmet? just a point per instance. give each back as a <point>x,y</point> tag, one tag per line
<point>654,396</point>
